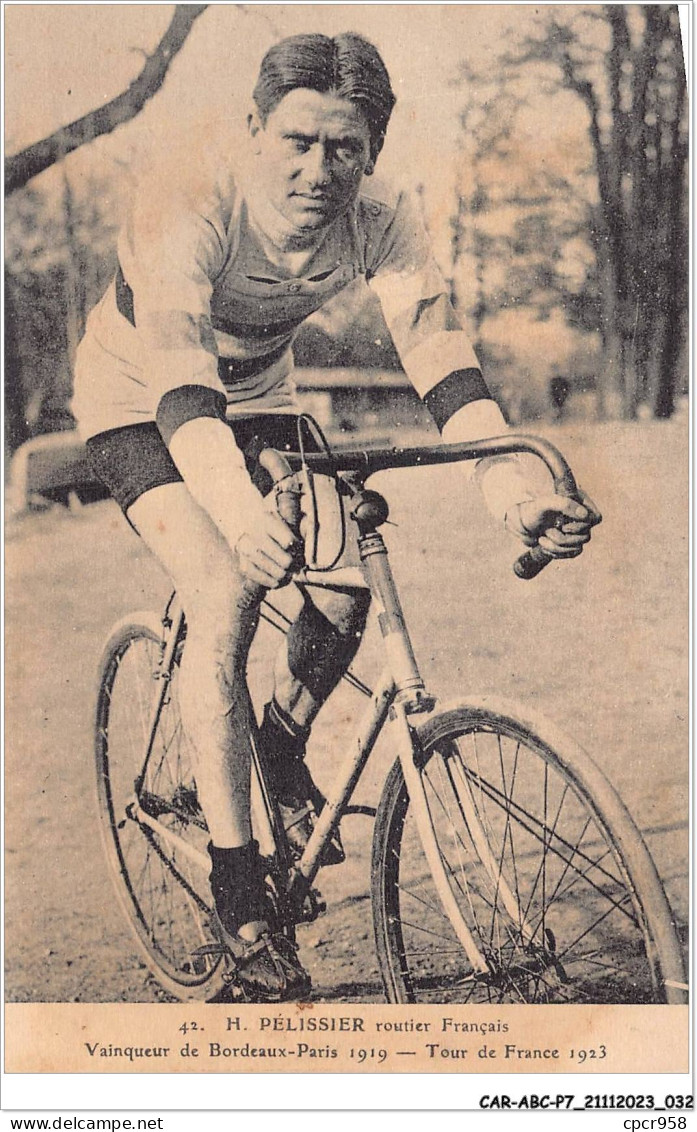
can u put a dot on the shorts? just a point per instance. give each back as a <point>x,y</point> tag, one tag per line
<point>134,459</point>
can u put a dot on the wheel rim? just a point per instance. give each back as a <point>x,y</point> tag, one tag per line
<point>164,894</point>
<point>540,885</point>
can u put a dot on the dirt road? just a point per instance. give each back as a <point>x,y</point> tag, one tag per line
<point>600,645</point>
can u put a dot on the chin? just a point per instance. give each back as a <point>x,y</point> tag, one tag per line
<point>311,220</point>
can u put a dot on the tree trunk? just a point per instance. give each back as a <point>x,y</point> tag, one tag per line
<point>74,272</point>
<point>676,239</point>
<point>16,427</point>
<point>644,204</point>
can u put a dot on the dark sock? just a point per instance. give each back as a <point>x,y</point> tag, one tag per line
<point>238,886</point>
<point>282,743</point>
<point>282,740</point>
<point>285,726</point>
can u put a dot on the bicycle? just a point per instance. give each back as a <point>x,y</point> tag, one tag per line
<point>505,868</point>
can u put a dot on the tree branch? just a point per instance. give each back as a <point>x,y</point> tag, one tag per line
<point>23,166</point>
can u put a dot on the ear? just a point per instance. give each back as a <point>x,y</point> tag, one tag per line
<point>254,128</point>
<point>376,144</point>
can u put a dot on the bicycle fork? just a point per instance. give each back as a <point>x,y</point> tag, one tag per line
<point>410,698</point>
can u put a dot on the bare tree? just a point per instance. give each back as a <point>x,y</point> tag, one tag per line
<point>46,296</point>
<point>508,230</point>
<point>23,166</point>
<point>486,120</point>
<point>634,92</point>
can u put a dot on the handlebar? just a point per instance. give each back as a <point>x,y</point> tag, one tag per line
<point>366,462</point>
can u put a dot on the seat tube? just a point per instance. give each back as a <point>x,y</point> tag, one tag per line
<point>173,625</point>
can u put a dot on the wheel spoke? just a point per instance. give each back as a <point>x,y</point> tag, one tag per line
<point>469,883</point>
<point>540,878</point>
<point>419,883</point>
<point>459,842</point>
<point>615,905</point>
<point>509,830</point>
<point>591,864</point>
<point>426,903</point>
<point>428,931</point>
<point>548,842</point>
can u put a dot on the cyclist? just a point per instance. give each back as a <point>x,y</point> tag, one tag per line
<point>186,367</point>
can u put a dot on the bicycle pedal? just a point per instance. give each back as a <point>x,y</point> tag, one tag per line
<point>334,852</point>
<point>313,906</point>
<point>318,902</point>
<point>233,990</point>
<point>291,819</point>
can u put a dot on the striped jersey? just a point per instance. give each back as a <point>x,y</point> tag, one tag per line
<point>204,299</point>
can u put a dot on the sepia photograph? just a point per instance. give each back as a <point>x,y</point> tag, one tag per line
<point>346,450</point>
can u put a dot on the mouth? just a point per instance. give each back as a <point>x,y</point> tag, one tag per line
<point>313,200</point>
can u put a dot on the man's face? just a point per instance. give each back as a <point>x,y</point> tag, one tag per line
<point>312,153</point>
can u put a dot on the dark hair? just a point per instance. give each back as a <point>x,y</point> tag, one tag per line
<point>346,65</point>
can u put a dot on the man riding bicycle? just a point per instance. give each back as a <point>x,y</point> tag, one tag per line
<point>185,371</point>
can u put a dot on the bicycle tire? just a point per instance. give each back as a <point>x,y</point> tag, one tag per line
<point>588,919</point>
<point>164,897</point>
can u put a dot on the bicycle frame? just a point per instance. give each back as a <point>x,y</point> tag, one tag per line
<point>400,692</point>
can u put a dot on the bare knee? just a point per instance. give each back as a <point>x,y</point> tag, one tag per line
<point>220,629</point>
<point>323,641</point>
<point>345,610</point>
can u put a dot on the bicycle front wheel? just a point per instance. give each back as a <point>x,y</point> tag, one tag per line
<point>163,892</point>
<point>550,873</point>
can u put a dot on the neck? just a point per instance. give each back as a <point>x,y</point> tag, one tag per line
<point>274,227</point>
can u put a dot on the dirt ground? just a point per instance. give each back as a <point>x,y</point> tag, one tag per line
<point>599,645</point>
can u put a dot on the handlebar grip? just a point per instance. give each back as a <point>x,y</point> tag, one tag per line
<point>288,505</point>
<point>288,495</point>
<point>286,489</point>
<point>530,564</point>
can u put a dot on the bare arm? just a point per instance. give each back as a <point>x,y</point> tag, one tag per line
<point>214,471</point>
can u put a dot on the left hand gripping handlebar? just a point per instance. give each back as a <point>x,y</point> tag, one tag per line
<point>367,462</point>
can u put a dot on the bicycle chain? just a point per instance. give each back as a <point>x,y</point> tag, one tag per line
<point>150,837</point>
<point>230,976</point>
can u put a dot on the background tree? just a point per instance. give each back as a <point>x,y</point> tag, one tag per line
<point>59,250</point>
<point>515,232</point>
<point>630,78</point>
<point>59,256</point>
<point>21,167</point>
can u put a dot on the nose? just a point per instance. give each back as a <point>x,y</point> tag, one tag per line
<point>317,168</point>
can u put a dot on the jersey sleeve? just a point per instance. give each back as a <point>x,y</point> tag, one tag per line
<point>433,347</point>
<point>170,253</point>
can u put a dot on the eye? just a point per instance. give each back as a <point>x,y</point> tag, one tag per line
<point>299,145</point>
<point>347,151</point>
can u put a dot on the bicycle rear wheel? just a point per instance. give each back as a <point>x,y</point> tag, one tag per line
<point>164,894</point>
<point>550,873</point>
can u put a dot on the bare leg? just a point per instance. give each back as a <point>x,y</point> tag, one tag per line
<point>222,612</point>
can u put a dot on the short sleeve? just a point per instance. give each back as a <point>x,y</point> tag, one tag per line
<point>433,347</point>
<point>170,253</point>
